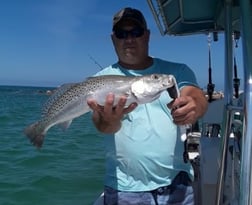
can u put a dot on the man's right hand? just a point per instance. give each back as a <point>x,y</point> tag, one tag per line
<point>107,118</point>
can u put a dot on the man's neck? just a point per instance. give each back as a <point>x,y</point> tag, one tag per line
<point>141,66</point>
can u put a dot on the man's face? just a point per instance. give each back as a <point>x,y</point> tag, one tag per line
<point>130,42</point>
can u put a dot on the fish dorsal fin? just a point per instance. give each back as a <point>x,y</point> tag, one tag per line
<point>109,77</point>
<point>55,96</point>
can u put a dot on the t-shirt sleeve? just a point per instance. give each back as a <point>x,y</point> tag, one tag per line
<point>186,77</point>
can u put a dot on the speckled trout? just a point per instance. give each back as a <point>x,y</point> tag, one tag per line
<point>70,100</point>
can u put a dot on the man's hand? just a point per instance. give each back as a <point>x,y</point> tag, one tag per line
<point>183,110</point>
<point>107,118</point>
<point>190,106</point>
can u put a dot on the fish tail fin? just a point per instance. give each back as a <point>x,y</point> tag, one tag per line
<point>36,134</point>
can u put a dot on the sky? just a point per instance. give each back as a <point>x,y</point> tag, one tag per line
<point>52,42</point>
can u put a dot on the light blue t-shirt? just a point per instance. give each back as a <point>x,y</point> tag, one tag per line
<point>147,152</point>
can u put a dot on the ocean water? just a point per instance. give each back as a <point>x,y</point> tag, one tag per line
<point>67,170</point>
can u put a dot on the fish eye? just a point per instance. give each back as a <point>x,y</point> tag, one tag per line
<point>154,76</point>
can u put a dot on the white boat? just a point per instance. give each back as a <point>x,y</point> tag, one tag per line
<point>221,150</point>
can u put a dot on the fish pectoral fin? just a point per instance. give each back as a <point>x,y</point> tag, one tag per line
<point>65,125</point>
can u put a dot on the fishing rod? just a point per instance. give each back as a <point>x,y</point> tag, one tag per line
<point>210,86</point>
<point>236,80</point>
<point>95,62</point>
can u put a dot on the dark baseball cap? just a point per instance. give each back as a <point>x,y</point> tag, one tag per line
<point>129,14</point>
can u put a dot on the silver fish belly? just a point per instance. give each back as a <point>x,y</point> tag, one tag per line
<point>70,100</point>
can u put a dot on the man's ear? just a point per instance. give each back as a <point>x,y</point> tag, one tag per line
<point>148,34</point>
<point>112,38</point>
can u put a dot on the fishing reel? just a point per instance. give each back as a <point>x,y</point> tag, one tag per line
<point>189,133</point>
<point>191,146</point>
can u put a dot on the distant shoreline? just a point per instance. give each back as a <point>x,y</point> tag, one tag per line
<point>29,86</point>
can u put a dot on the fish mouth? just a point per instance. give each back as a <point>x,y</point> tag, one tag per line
<point>169,82</point>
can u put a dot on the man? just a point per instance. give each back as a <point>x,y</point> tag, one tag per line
<point>144,153</point>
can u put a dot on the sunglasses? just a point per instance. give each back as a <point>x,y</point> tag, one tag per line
<point>134,33</point>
